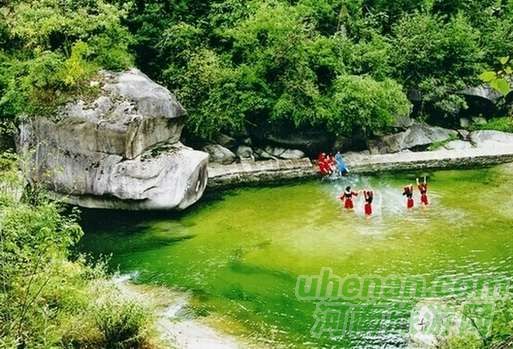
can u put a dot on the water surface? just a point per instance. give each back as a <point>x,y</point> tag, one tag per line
<point>240,253</point>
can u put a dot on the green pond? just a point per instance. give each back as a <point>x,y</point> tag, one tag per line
<point>240,252</point>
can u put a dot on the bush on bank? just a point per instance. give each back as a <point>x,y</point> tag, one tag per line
<point>48,300</point>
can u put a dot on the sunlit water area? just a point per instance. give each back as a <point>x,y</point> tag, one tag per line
<point>240,252</point>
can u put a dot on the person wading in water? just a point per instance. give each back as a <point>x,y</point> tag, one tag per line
<point>423,192</point>
<point>347,198</point>
<point>408,192</point>
<point>369,196</point>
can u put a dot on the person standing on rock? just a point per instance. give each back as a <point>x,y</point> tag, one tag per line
<point>347,198</point>
<point>423,192</point>
<point>330,163</point>
<point>408,192</point>
<point>322,162</point>
<point>341,165</point>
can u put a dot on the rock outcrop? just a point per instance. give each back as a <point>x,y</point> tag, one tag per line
<point>418,135</point>
<point>279,153</point>
<point>218,153</point>
<point>490,138</point>
<point>245,153</point>
<point>121,151</point>
<point>485,92</point>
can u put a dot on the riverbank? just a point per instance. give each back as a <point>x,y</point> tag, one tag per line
<point>246,173</point>
<point>175,324</point>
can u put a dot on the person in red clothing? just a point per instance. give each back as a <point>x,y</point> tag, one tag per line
<point>369,196</point>
<point>330,162</point>
<point>423,191</point>
<point>408,192</point>
<point>323,164</point>
<point>347,198</point>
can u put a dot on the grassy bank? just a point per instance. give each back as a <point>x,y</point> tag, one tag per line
<point>47,298</point>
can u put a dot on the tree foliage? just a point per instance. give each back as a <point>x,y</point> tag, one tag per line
<point>239,64</point>
<point>53,47</point>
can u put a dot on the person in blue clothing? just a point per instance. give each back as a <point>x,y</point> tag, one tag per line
<point>341,165</point>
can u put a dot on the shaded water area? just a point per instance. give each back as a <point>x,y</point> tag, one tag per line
<point>240,253</point>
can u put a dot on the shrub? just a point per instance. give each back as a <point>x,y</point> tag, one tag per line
<point>504,124</point>
<point>122,323</point>
<point>361,103</point>
<point>47,300</point>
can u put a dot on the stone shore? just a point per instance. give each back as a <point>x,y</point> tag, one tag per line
<point>249,173</point>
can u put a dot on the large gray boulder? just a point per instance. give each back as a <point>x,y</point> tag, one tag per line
<point>419,135</point>
<point>491,138</point>
<point>120,151</point>
<point>132,114</point>
<point>483,91</point>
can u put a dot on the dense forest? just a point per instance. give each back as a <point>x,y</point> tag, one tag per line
<point>342,66</point>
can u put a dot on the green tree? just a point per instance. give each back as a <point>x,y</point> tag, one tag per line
<point>436,57</point>
<point>53,47</point>
<point>363,104</point>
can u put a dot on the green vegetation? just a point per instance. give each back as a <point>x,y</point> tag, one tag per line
<point>47,299</point>
<point>342,66</point>
<point>441,144</point>
<point>50,49</point>
<point>504,124</point>
<point>500,80</point>
<point>279,64</point>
